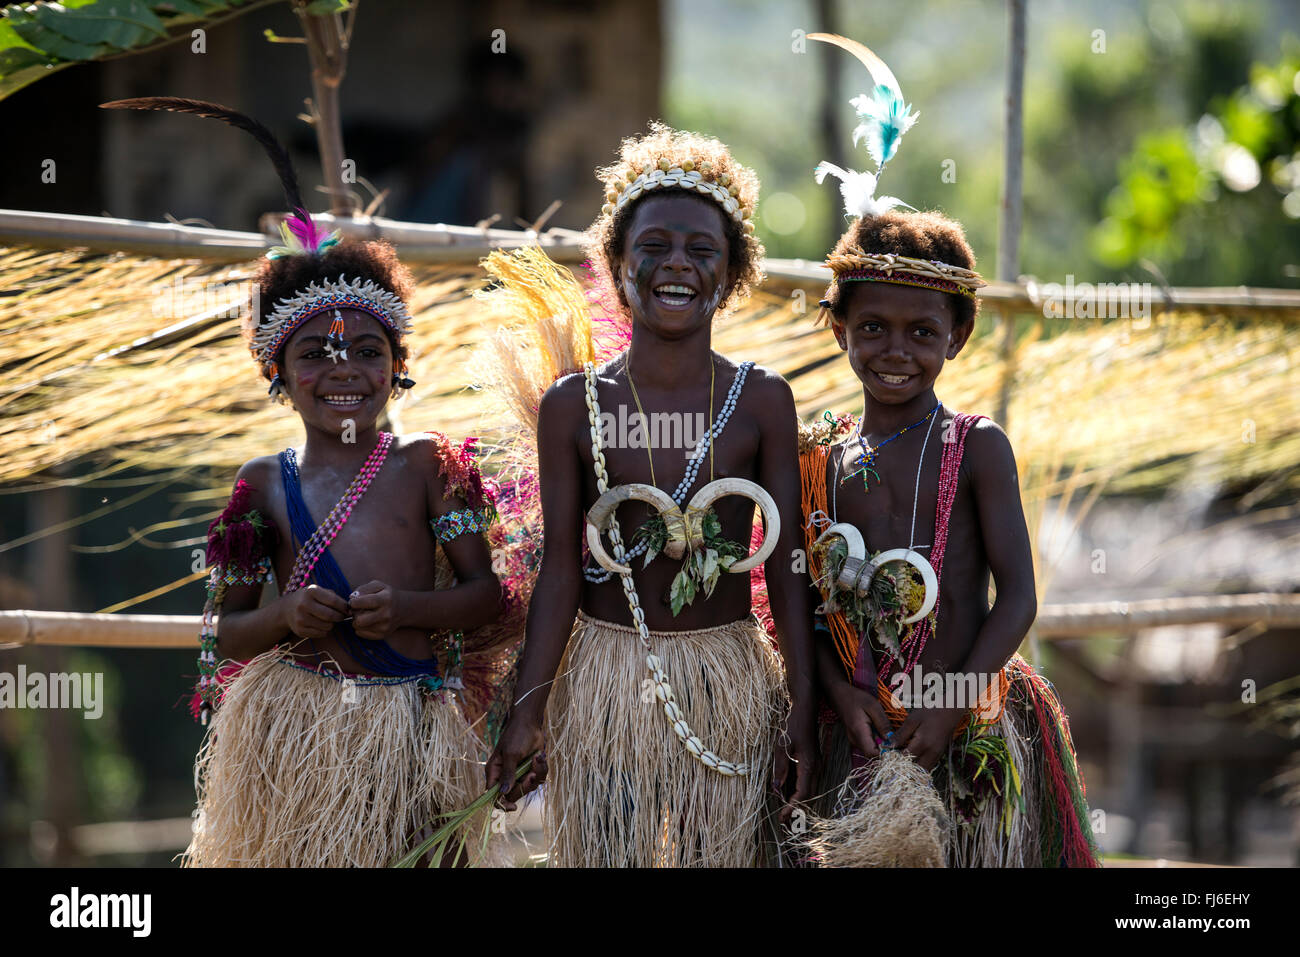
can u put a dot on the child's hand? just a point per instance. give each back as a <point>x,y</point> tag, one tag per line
<point>374,610</point>
<point>798,746</point>
<point>312,612</point>
<point>863,715</point>
<point>521,737</point>
<point>927,733</point>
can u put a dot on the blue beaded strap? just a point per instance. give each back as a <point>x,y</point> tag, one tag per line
<point>460,522</point>
<point>597,575</point>
<point>376,655</point>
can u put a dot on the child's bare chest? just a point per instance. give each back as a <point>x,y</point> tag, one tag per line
<point>884,515</point>
<point>895,505</point>
<point>385,537</point>
<point>656,442</point>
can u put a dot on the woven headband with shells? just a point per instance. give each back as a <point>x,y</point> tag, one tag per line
<point>858,266</point>
<point>630,183</point>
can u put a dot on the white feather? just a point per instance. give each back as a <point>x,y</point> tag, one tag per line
<point>858,190</point>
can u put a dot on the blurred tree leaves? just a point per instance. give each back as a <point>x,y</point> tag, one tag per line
<point>36,39</point>
<point>1215,201</point>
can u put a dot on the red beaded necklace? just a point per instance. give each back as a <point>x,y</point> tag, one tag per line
<point>949,469</point>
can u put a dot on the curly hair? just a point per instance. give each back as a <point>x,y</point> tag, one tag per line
<point>663,145</point>
<point>921,235</point>
<point>373,259</point>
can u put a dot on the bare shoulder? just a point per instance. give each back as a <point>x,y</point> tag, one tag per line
<point>259,474</point>
<point>567,395</point>
<point>769,384</point>
<point>988,452</point>
<point>424,450</point>
<point>432,456</point>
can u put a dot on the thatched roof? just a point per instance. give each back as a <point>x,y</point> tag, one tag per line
<point>100,363</point>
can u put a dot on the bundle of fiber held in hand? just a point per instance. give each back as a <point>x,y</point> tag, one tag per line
<point>889,815</point>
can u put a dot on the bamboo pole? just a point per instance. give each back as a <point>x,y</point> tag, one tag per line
<point>442,243</point>
<point>20,628</point>
<point>1076,620</point>
<point>1055,621</point>
<point>419,242</point>
<point>784,275</point>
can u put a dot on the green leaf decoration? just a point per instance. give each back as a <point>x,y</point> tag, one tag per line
<point>677,594</point>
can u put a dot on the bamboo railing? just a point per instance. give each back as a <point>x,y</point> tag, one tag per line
<point>452,245</point>
<point>430,243</point>
<point>1055,621</point>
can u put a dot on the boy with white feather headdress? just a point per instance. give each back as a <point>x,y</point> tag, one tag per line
<point>909,510</point>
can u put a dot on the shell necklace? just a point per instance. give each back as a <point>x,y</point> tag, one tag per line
<point>663,690</point>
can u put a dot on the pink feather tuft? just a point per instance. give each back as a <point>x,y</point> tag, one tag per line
<point>759,602</point>
<point>304,229</point>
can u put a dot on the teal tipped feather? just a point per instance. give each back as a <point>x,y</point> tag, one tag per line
<point>885,118</point>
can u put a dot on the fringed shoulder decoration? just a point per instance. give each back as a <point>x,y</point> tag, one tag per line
<point>815,442</point>
<point>240,542</point>
<point>458,466</point>
<point>827,430</point>
<point>241,539</point>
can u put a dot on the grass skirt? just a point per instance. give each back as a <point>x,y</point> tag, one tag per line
<point>300,770</point>
<point>623,791</point>
<point>892,814</point>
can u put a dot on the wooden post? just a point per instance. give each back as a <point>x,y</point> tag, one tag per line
<point>327,48</point>
<point>52,570</point>
<point>1009,221</point>
<point>1007,356</point>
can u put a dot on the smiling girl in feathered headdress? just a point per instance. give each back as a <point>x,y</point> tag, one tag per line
<point>340,724</point>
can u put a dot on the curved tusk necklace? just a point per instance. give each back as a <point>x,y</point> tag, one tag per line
<point>911,555</point>
<point>663,690</point>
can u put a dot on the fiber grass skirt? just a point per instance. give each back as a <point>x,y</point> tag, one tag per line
<point>300,770</point>
<point>892,813</point>
<point>623,791</point>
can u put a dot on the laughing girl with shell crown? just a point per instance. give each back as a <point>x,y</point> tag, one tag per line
<point>646,689</point>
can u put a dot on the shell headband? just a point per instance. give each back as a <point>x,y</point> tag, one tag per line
<point>883,119</point>
<point>701,178</point>
<point>302,237</point>
<point>857,266</point>
<point>290,313</point>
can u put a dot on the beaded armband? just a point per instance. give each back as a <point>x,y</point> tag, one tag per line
<point>462,521</point>
<point>239,547</point>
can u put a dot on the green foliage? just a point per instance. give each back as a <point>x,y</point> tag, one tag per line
<point>39,38</point>
<point>1234,174</point>
<point>702,568</point>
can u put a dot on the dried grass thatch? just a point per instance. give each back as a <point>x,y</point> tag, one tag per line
<point>99,366</point>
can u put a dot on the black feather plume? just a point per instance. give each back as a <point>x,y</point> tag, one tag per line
<point>215,111</point>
